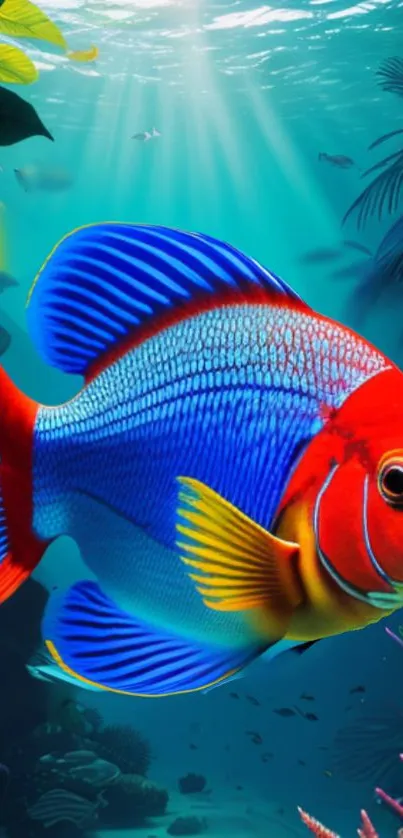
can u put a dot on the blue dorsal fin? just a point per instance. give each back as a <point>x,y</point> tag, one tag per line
<point>107,287</point>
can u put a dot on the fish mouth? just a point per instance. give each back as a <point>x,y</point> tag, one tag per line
<point>384,600</point>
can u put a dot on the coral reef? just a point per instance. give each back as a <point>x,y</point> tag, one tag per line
<point>46,761</point>
<point>391,802</point>
<point>133,799</point>
<point>65,773</point>
<point>366,830</point>
<point>190,825</point>
<point>124,746</point>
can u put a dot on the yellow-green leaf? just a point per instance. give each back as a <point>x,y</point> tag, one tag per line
<point>15,66</point>
<point>22,19</point>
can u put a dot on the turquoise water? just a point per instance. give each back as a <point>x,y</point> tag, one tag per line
<point>245,98</point>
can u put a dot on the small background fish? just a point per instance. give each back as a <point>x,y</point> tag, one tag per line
<point>35,177</point>
<point>341,161</point>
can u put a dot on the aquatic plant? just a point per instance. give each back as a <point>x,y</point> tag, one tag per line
<point>366,830</point>
<point>23,19</point>
<point>365,751</point>
<point>390,74</point>
<point>124,746</point>
<point>383,195</point>
<point>375,275</point>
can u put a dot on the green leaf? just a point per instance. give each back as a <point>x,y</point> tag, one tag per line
<point>22,19</point>
<point>15,66</point>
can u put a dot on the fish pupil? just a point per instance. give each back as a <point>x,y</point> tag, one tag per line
<point>392,482</point>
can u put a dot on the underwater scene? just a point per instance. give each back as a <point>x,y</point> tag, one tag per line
<point>201,418</point>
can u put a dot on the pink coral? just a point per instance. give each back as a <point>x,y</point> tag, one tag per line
<point>393,804</point>
<point>366,830</point>
<point>315,826</point>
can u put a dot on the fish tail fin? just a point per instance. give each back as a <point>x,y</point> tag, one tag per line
<point>20,549</point>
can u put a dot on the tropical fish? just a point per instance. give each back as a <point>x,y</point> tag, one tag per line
<point>7,281</point>
<point>285,711</point>
<point>42,667</point>
<point>84,55</point>
<point>232,471</point>
<point>253,700</point>
<point>144,136</point>
<point>255,736</point>
<point>320,255</point>
<point>35,178</point>
<point>338,160</point>
<point>61,805</point>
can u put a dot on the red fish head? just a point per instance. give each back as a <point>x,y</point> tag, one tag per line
<point>351,479</point>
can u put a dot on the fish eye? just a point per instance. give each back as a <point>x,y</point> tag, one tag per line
<point>390,483</point>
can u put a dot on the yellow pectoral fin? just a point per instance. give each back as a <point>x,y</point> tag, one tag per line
<point>241,566</point>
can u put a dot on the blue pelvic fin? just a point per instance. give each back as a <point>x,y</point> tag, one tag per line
<point>107,287</point>
<point>100,645</point>
<point>44,668</point>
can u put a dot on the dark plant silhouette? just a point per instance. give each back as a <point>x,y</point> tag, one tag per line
<point>375,275</point>
<point>365,750</point>
<point>383,195</point>
<point>390,74</point>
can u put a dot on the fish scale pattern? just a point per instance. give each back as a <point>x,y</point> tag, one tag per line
<point>228,397</point>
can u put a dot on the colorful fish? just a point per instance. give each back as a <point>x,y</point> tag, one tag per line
<point>232,470</point>
<point>84,55</point>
